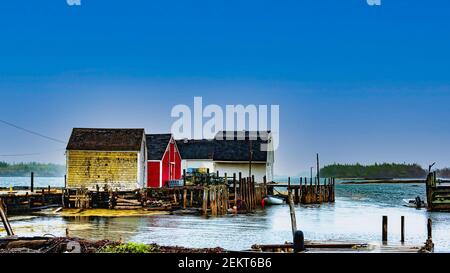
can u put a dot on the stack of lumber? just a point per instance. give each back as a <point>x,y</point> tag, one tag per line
<point>127,201</point>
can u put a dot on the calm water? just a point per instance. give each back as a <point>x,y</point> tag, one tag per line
<point>6,182</point>
<point>356,216</point>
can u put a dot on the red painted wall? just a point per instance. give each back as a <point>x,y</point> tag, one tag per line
<point>171,168</point>
<point>153,174</point>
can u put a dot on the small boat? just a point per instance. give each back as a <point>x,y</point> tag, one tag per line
<point>415,203</point>
<point>273,200</point>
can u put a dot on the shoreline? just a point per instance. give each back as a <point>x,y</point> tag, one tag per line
<point>384,181</point>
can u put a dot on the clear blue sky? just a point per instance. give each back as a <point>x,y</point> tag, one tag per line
<point>355,83</point>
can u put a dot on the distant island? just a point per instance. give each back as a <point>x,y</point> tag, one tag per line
<point>375,171</point>
<point>25,169</point>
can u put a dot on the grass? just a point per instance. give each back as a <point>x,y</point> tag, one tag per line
<point>135,248</point>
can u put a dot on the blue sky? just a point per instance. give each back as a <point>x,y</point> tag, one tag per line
<point>355,83</point>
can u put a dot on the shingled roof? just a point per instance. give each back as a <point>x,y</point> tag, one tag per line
<point>239,147</point>
<point>196,149</point>
<point>94,139</point>
<point>225,150</point>
<point>157,145</point>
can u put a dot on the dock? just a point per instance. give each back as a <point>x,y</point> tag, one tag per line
<point>438,193</point>
<point>309,191</point>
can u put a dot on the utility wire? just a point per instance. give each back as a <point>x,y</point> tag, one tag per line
<point>32,132</point>
<point>30,154</point>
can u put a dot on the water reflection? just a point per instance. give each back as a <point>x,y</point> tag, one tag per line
<point>356,216</point>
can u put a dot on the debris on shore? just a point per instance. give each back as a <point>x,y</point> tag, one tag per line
<point>78,245</point>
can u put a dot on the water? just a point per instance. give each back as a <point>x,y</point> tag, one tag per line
<point>6,182</point>
<point>356,216</point>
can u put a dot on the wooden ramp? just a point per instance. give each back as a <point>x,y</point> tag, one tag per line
<point>342,247</point>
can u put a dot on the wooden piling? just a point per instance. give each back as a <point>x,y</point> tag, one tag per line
<point>205,201</point>
<point>32,182</point>
<point>292,213</point>
<point>385,229</point>
<point>184,198</point>
<point>265,187</point>
<point>402,231</point>
<point>6,224</point>
<point>429,229</point>
<point>234,189</point>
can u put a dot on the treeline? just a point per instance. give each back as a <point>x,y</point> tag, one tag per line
<point>24,169</point>
<point>385,170</point>
<point>444,173</point>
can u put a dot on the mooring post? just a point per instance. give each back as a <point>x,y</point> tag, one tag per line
<point>429,229</point>
<point>265,187</point>
<point>234,189</point>
<point>385,229</point>
<point>318,169</point>
<point>402,229</point>
<point>292,212</point>
<point>32,182</point>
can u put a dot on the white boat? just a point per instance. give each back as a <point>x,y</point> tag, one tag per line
<point>414,203</point>
<point>273,200</point>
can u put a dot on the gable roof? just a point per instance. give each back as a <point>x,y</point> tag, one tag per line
<point>196,149</point>
<point>225,150</point>
<point>96,139</point>
<point>157,145</point>
<point>238,148</point>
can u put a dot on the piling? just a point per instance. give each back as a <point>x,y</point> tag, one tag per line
<point>429,229</point>
<point>32,182</point>
<point>5,220</point>
<point>234,189</point>
<point>402,229</point>
<point>292,212</point>
<point>385,229</point>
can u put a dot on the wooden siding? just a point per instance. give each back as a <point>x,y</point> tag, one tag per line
<point>90,168</point>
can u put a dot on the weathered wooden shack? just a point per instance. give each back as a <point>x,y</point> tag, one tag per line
<point>116,158</point>
<point>164,161</point>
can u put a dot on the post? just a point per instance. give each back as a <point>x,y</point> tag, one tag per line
<point>265,186</point>
<point>429,229</point>
<point>205,201</point>
<point>65,181</point>
<point>318,169</point>
<point>184,177</point>
<point>240,186</point>
<point>184,198</point>
<point>234,189</point>
<point>385,229</point>
<point>32,182</point>
<point>292,212</point>
<point>5,221</point>
<point>402,229</point>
